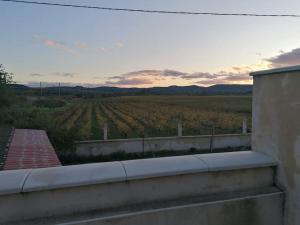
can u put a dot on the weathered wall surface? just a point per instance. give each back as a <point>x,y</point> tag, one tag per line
<point>238,187</point>
<point>276,129</point>
<point>138,145</point>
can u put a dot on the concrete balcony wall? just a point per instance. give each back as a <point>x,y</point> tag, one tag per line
<point>263,209</point>
<point>276,129</point>
<point>145,189</point>
<point>138,145</point>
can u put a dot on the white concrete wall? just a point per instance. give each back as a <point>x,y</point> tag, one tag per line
<point>205,183</point>
<point>264,209</point>
<point>138,145</point>
<point>276,129</point>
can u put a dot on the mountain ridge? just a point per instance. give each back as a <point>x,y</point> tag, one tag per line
<point>173,89</point>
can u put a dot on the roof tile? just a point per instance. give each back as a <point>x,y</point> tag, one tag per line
<point>30,149</point>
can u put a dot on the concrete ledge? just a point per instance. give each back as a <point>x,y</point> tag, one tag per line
<point>165,166</point>
<point>70,190</point>
<point>276,71</point>
<point>72,176</point>
<point>12,181</point>
<point>17,181</point>
<point>236,160</point>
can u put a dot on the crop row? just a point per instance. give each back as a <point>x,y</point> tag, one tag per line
<point>128,119</point>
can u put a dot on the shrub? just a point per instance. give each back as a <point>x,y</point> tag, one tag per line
<point>49,103</point>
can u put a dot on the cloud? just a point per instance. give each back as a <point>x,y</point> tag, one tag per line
<point>237,77</point>
<point>81,45</point>
<point>198,75</point>
<point>101,49</point>
<point>50,43</point>
<point>119,44</point>
<point>64,74</point>
<point>58,45</point>
<point>97,77</point>
<point>139,73</point>
<point>144,77</point>
<point>66,84</point>
<point>55,44</point>
<point>129,81</point>
<point>210,82</point>
<point>115,77</point>
<point>36,75</point>
<point>285,58</point>
<point>173,73</point>
<point>36,36</point>
<point>167,73</point>
<point>234,75</point>
<point>228,79</point>
<point>59,74</point>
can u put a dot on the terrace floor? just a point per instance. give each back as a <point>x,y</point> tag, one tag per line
<point>30,149</point>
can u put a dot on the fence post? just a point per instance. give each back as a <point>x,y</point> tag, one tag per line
<point>179,129</point>
<point>244,129</point>
<point>212,137</point>
<point>105,131</point>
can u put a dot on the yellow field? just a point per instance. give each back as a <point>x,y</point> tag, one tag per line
<point>139,116</point>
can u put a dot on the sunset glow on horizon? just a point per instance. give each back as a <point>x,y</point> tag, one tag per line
<point>98,48</point>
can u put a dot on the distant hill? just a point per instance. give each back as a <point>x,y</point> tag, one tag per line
<point>19,86</point>
<point>171,90</point>
<point>229,88</point>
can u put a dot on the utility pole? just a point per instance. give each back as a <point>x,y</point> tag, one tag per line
<point>41,91</point>
<point>59,89</point>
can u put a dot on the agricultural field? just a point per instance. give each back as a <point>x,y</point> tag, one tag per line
<point>148,116</point>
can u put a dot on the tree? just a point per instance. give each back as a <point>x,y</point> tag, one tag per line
<point>5,81</point>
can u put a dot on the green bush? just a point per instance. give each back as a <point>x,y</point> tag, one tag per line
<point>5,81</point>
<point>50,103</point>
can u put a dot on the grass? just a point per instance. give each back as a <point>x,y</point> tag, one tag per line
<point>130,117</point>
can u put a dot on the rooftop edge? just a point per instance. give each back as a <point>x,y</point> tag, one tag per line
<point>276,70</point>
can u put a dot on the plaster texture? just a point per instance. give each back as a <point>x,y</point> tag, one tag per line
<point>71,190</point>
<point>72,176</point>
<point>276,129</point>
<point>165,166</point>
<point>139,145</point>
<point>236,160</point>
<point>254,210</point>
<point>12,181</point>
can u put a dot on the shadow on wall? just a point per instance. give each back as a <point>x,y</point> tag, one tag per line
<point>72,158</point>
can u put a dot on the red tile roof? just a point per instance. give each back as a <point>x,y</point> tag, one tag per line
<point>30,149</point>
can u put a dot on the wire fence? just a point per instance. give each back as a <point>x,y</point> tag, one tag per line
<point>179,130</point>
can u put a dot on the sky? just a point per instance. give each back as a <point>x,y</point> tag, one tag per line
<point>105,48</point>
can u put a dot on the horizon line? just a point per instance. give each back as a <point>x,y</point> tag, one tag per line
<point>104,86</point>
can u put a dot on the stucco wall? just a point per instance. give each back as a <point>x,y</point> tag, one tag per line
<point>276,129</point>
<point>222,184</point>
<point>138,145</point>
<point>254,210</point>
